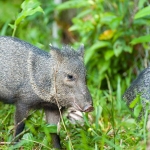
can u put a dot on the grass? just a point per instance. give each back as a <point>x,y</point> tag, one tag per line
<point>111,126</point>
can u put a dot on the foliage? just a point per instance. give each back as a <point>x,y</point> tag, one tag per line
<point>28,8</point>
<point>109,32</point>
<point>116,38</point>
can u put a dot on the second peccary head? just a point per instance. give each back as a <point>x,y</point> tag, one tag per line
<point>69,78</point>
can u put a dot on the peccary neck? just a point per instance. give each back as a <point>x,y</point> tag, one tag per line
<point>41,75</point>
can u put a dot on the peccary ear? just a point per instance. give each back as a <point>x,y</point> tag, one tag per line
<point>81,51</point>
<point>56,53</point>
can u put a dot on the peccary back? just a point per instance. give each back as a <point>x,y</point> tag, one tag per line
<point>31,78</point>
<point>140,86</point>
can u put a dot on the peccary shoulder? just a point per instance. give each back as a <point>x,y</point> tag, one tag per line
<point>31,78</point>
<point>141,86</point>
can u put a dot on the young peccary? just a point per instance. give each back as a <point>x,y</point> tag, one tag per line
<point>31,78</point>
<point>141,86</point>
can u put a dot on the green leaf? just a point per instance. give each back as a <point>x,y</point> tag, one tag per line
<point>33,11</point>
<point>135,101</point>
<point>29,4</point>
<point>29,7</point>
<point>73,28</point>
<point>118,48</point>
<point>141,39</point>
<point>142,13</point>
<point>108,54</point>
<point>72,4</point>
<point>12,26</point>
<point>107,17</point>
<point>84,13</point>
<point>130,122</point>
<point>114,24</point>
<point>92,50</point>
<point>137,110</point>
<point>119,97</point>
<point>141,3</point>
<point>50,128</point>
<point>99,110</point>
<point>128,48</point>
<point>28,136</point>
<point>20,17</point>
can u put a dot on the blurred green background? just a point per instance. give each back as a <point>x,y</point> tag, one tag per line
<point>116,35</point>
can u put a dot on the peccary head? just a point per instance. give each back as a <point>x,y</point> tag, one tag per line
<point>70,78</point>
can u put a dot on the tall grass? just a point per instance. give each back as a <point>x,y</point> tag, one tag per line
<point>112,60</point>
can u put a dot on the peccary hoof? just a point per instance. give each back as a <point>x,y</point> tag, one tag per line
<point>55,141</point>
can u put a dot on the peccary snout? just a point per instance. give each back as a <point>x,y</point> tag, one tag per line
<point>88,108</point>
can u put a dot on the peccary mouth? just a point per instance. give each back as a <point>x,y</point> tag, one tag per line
<point>76,116</point>
<point>87,108</point>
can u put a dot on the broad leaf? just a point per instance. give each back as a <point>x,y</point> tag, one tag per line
<point>142,13</point>
<point>141,39</point>
<point>135,101</point>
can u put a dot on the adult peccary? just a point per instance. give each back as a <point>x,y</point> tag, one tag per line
<point>32,78</point>
<point>140,86</point>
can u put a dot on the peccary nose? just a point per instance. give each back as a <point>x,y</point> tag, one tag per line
<point>88,108</point>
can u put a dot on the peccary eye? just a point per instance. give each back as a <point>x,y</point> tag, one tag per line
<point>70,77</point>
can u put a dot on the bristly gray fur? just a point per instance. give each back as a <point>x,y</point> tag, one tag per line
<point>140,86</point>
<point>67,51</point>
<point>31,78</point>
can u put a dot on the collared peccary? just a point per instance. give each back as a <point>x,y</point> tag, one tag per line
<point>31,78</point>
<point>140,86</point>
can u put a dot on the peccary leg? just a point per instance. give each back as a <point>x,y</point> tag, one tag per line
<point>52,117</point>
<point>148,139</point>
<point>20,115</point>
